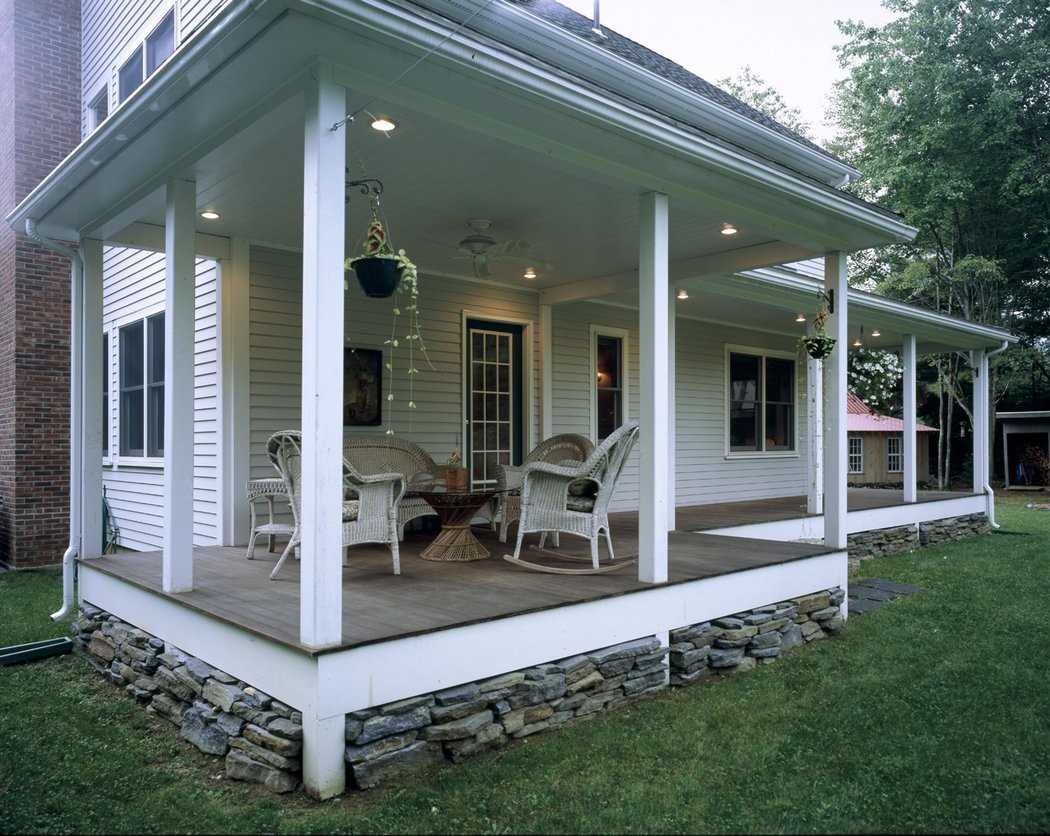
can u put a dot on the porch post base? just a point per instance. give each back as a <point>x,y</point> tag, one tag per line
<point>324,744</point>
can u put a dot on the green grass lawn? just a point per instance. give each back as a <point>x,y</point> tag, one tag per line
<point>931,714</point>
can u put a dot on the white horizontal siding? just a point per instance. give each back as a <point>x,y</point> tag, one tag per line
<point>437,423</point>
<point>133,287</point>
<point>110,27</point>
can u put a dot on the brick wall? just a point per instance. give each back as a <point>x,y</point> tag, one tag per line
<point>39,126</point>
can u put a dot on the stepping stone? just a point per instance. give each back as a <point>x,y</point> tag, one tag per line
<point>873,593</point>
<point>858,606</point>
<point>891,586</point>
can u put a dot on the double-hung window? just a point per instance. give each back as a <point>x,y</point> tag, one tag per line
<point>149,55</point>
<point>105,394</point>
<point>894,462</point>
<point>609,375</point>
<point>142,388</point>
<point>856,454</point>
<point>761,402</point>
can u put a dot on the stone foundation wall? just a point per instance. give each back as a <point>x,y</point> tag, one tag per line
<point>741,641</point>
<point>903,538</point>
<point>953,528</point>
<point>260,737</point>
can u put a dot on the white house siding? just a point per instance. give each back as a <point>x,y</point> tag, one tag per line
<point>133,288</point>
<point>109,27</point>
<point>703,473</point>
<point>437,424</point>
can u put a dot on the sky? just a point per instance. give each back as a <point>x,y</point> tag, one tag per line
<point>789,43</point>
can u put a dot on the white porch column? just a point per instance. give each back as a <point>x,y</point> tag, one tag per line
<point>909,445</point>
<point>672,411</point>
<point>835,384</point>
<point>179,283</point>
<point>547,348</point>
<point>91,425</point>
<point>980,421</point>
<point>321,567</point>
<point>235,369</point>
<point>815,413</point>
<point>654,461</point>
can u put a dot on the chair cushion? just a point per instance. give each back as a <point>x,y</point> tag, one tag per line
<point>350,510</point>
<point>583,488</point>
<point>584,504</point>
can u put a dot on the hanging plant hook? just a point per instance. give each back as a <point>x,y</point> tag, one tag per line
<point>371,186</point>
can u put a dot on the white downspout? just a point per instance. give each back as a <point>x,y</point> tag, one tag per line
<point>988,492</point>
<point>76,386</point>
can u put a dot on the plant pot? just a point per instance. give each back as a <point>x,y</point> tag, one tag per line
<point>378,275</point>
<point>457,478</point>
<point>818,347</point>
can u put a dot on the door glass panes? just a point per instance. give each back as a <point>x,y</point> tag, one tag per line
<point>491,400</point>
<point>608,376</point>
<point>744,372</point>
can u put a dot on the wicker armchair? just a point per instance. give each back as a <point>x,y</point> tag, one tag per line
<point>566,449</point>
<point>574,500</point>
<point>371,517</point>
<point>370,454</point>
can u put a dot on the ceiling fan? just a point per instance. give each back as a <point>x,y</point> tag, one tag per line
<point>485,251</point>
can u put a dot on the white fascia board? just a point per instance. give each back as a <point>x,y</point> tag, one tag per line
<point>520,28</point>
<point>786,278</point>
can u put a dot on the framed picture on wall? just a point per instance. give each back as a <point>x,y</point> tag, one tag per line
<point>362,387</point>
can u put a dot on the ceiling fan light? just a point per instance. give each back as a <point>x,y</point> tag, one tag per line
<point>682,294</point>
<point>729,229</point>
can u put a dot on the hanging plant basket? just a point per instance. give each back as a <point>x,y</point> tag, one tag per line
<point>378,275</point>
<point>818,346</point>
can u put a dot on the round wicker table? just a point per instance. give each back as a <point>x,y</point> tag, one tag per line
<point>455,509</point>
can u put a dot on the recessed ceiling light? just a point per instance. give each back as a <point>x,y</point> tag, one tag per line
<point>728,229</point>
<point>383,124</point>
<point>800,318</point>
<point>122,137</point>
<point>875,332</point>
<point>210,215</point>
<point>682,294</point>
<point>530,273</point>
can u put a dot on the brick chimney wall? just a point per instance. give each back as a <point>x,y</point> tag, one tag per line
<point>39,126</point>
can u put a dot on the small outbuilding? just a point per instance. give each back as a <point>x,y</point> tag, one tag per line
<point>1026,448</point>
<point>876,446</point>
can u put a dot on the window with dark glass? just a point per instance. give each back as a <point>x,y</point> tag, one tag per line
<point>160,43</point>
<point>105,394</point>
<point>99,108</point>
<point>155,385</point>
<point>608,354</point>
<point>761,403</point>
<point>130,75</point>
<point>132,390</point>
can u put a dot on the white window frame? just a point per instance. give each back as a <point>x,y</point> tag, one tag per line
<point>101,91</point>
<point>138,44</point>
<point>850,455</point>
<point>899,454</point>
<point>625,341</point>
<point>107,380</point>
<point>755,351</point>
<point>116,460</point>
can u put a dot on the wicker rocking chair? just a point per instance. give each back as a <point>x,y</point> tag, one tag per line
<point>574,500</point>
<point>371,517</point>
<point>565,449</point>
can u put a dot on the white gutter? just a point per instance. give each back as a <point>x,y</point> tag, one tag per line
<point>988,492</point>
<point>76,385</point>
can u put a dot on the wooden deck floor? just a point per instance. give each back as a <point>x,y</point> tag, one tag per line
<point>430,596</point>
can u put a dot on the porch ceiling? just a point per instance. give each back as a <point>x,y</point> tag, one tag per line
<point>486,131</point>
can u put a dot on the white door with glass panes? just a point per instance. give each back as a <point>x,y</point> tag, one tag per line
<point>495,395</point>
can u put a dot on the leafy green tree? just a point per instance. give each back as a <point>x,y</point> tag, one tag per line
<point>752,89</point>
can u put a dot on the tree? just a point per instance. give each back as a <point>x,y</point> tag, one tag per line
<point>874,377</point>
<point>754,90</point>
<point>945,111</point>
